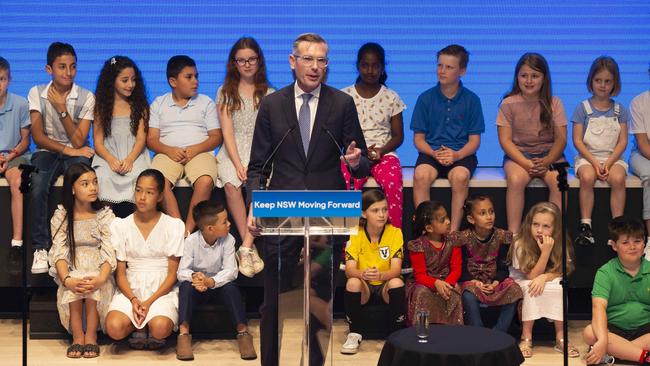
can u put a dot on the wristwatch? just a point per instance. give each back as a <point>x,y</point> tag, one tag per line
<point>63,114</point>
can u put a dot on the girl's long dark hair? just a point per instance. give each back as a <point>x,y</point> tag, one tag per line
<point>538,63</point>
<point>158,177</point>
<point>230,88</point>
<point>70,176</point>
<point>105,95</point>
<point>424,214</point>
<point>377,49</point>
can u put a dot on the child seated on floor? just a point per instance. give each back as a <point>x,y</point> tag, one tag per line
<point>373,260</point>
<point>484,278</point>
<point>208,269</point>
<point>436,268</point>
<point>620,323</point>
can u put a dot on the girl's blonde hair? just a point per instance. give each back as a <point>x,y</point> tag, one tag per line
<point>528,251</point>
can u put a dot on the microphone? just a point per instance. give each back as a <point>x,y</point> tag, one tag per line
<point>342,155</point>
<point>268,160</point>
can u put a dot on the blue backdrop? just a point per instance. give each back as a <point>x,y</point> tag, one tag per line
<point>569,34</point>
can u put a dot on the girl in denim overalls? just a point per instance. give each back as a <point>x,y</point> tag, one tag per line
<point>600,136</point>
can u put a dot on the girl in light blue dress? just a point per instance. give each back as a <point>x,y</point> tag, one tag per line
<point>119,129</point>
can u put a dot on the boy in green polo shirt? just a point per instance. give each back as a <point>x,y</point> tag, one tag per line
<point>620,324</point>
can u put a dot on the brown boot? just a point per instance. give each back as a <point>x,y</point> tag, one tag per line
<point>246,348</point>
<point>184,347</point>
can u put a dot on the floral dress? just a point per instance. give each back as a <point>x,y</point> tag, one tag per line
<point>92,249</point>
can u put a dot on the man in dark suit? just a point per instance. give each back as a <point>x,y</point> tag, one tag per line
<point>313,114</point>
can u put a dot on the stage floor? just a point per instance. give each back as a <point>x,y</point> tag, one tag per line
<point>224,352</point>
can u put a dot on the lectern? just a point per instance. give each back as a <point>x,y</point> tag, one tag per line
<point>312,215</point>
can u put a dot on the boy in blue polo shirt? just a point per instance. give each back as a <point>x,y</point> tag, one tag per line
<point>447,123</point>
<point>620,324</point>
<point>14,142</point>
<point>61,112</point>
<point>183,132</point>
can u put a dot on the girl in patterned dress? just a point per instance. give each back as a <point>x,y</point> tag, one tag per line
<point>484,278</point>
<point>82,259</point>
<point>380,115</point>
<point>238,100</point>
<point>436,267</point>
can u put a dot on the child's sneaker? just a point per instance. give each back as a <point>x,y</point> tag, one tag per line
<point>245,258</point>
<point>39,265</point>
<point>258,263</point>
<point>585,236</point>
<point>605,360</point>
<point>351,345</point>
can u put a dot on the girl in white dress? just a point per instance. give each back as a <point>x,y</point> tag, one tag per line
<point>82,259</point>
<point>148,246</point>
<point>536,266</point>
<point>238,100</point>
<point>119,129</point>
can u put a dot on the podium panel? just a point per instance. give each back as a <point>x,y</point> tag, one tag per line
<point>304,235</point>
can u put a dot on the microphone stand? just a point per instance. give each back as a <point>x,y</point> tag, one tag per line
<point>26,180</point>
<point>342,155</point>
<point>563,186</point>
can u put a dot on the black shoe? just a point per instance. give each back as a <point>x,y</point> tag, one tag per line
<point>585,236</point>
<point>15,260</point>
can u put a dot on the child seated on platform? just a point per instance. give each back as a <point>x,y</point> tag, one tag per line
<point>532,132</point>
<point>447,124</point>
<point>183,132</point>
<point>61,113</point>
<point>14,143</point>
<point>600,136</point>
<point>620,324</point>
<point>484,278</point>
<point>373,261</point>
<point>436,268</point>
<point>208,269</point>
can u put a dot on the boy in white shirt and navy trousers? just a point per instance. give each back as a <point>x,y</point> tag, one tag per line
<point>208,268</point>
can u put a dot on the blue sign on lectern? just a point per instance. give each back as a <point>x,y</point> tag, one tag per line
<point>306,203</point>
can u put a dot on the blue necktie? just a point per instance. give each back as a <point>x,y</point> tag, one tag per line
<point>304,121</point>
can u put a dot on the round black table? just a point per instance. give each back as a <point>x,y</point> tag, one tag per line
<point>451,345</point>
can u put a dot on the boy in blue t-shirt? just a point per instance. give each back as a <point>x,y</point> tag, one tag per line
<point>61,113</point>
<point>14,142</point>
<point>447,123</point>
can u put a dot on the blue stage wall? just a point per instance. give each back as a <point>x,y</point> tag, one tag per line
<point>569,33</point>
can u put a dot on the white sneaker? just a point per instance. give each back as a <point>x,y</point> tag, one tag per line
<point>245,257</point>
<point>40,261</point>
<point>351,345</point>
<point>258,263</point>
<point>606,360</point>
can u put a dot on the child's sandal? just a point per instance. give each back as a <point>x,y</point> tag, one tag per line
<point>559,347</point>
<point>526,347</point>
<point>91,350</point>
<point>73,349</point>
<point>138,340</point>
